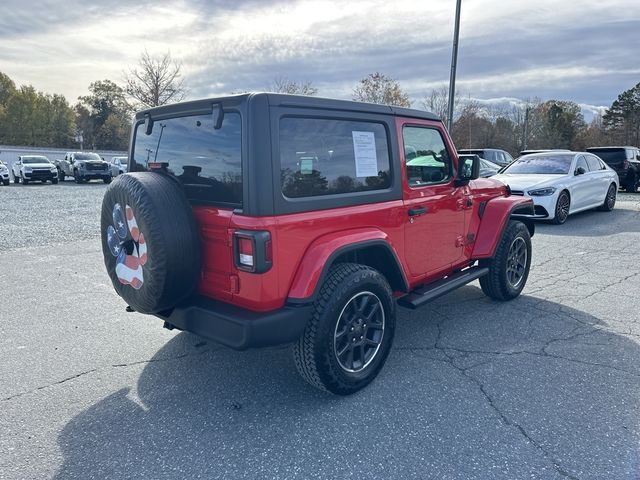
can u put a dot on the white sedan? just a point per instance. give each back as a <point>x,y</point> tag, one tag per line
<point>118,166</point>
<point>562,183</point>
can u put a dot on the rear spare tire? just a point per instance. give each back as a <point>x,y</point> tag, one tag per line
<point>150,241</point>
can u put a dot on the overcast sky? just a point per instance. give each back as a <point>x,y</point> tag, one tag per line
<point>582,50</point>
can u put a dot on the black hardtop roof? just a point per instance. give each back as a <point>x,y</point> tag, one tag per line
<point>286,100</point>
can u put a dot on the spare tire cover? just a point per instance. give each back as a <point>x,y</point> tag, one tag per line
<point>150,241</point>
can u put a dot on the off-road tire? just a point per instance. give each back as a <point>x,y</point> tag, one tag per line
<point>609,199</point>
<point>561,218</point>
<point>314,353</point>
<point>164,223</point>
<point>496,284</point>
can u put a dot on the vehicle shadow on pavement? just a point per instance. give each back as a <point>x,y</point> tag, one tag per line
<point>472,389</point>
<point>592,223</point>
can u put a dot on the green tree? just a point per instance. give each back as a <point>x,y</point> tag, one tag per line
<point>555,124</point>
<point>622,119</point>
<point>106,99</point>
<point>378,88</point>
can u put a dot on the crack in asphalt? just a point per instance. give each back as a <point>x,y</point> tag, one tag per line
<point>42,387</point>
<point>503,416</point>
<point>116,365</point>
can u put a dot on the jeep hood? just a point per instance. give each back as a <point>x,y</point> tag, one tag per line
<point>528,181</point>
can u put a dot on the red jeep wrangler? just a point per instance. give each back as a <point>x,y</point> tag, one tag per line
<point>263,219</point>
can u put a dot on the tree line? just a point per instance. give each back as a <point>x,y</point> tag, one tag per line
<point>103,117</point>
<point>100,120</point>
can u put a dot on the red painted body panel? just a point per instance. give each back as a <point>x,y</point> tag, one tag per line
<point>449,237</point>
<point>496,215</point>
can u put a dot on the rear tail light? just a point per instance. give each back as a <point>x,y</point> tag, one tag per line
<point>252,250</point>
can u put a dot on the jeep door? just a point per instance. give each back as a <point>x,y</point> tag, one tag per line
<point>435,207</point>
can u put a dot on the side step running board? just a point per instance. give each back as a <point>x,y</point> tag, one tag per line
<point>427,293</point>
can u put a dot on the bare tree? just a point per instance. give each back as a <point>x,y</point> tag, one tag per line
<point>155,81</point>
<point>438,102</point>
<point>378,88</point>
<point>284,85</point>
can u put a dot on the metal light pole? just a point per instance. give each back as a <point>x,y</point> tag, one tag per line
<point>454,61</point>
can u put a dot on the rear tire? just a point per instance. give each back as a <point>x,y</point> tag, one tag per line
<point>61,175</point>
<point>632,186</point>
<point>106,179</point>
<point>349,335</point>
<point>16,180</point>
<point>54,181</point>
<point>509,267</point>
<point>25,181</point>
<point>609,199</point>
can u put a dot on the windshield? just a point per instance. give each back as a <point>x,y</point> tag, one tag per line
<point>35,160</point>
<point>205,160</point>
<point>541,164</point>
<point>610,156</point>
<point>87,156</point>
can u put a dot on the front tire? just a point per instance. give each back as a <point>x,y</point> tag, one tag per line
<point>61,176</point>
<point>5,182</point>
<point>54,180</point>
<point>77,177</point>
<point>509,267</point>
<point>632,185</point>
<point>349,335</point>
<point>106,179</point>
<point>562,208</point>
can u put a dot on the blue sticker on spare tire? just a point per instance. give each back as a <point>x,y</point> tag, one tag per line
<point>119,221</point>
<point>113,241</point>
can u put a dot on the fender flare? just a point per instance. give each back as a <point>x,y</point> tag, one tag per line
<point>324,251</point>
<point>497,212</point>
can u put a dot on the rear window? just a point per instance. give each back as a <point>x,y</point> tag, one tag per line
<point>206,161</point>
<point>611,156</point>
<point>327,156</point>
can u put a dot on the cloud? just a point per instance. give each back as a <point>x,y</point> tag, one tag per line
<point>507,49</point>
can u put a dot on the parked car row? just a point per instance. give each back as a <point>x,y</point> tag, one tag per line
<point>82,166</point>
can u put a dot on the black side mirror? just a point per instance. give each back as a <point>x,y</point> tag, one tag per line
<point>468,169</point>
<point>580,171</point>
<point>637,157</point>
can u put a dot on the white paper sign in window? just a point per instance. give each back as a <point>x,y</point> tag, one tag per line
<point>364,149</point>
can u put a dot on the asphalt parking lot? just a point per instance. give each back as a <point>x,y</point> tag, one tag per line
<point>546,386</point>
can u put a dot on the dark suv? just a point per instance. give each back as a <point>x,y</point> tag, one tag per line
<point>494,155</point>
<point>263,219</point>
<point>625,161</point>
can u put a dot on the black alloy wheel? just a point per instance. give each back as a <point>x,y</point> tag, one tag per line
<point>359,332</point>
<point>562,208</point>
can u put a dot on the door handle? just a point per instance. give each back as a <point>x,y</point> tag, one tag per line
<point>417,211</point>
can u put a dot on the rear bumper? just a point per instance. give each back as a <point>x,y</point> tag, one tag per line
<point>236,327</point>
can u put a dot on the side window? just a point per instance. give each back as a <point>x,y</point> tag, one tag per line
<point>593,163</point>
<point>507,158</point>
<point>426,156</point>
<point>582,163</point>
<point>320,156</point>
